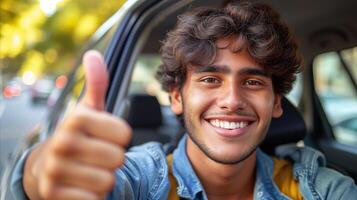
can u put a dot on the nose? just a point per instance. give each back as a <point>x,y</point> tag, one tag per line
<point>231,98</point>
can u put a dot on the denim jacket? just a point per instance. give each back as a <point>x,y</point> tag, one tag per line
<point>145,176</point>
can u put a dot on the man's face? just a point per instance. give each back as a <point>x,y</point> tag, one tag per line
<point>227,106</point>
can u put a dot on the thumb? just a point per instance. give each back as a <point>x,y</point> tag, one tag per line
<point>96,80</point>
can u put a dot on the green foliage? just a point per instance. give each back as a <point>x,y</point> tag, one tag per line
<point>32,38</point>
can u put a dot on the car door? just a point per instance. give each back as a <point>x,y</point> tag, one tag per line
<point>131,48</point>
<point>152,25</point>
<point>108,39</point>
<point>120,39</point>
<point>334,100</point>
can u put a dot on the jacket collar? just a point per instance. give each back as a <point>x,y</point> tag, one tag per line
<point>265,188</point>
<point>189,185</point>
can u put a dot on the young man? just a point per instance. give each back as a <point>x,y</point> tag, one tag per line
<point>225,70</point>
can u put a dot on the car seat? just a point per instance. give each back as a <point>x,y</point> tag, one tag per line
<point>289,128</point>
<point>149,120</point>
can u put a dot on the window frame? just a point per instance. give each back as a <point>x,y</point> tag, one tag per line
<point>320,133</point>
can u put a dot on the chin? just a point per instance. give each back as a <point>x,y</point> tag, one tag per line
<point>231,159</point>
<point>225,153</point>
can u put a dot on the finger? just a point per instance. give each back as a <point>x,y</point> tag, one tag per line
<point>96,80</point>
<point>74,174</point>
<point>88,150</point>
<point>58,192</point>
<point>100,125</point>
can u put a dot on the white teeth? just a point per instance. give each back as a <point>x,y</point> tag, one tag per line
<point>227,124</point>
<point>233,125</point>
<point>221,124</point>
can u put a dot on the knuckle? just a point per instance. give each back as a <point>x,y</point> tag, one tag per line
<point>93,196</point>
<point>48,193</point>
<point>63,143</point>
<point>47,190</point>
<point>108,181</point>
<point>76,120</point>
<point>125,132</point>
<point>52,168</point>
<point>77,117</point>
<point>118,159</point>
<point>119,129</point>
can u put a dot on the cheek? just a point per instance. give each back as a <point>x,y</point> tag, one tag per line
<point>262,103</point>
<point>197,100</point>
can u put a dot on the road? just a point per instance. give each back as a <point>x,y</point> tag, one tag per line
<point>18,116</point>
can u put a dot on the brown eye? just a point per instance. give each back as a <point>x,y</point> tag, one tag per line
<point>252,83</point>
<point>210,80</point>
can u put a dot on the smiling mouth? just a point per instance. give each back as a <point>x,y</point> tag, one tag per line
<point>228,125</point>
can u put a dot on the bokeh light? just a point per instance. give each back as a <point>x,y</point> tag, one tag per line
<point>28,78</point>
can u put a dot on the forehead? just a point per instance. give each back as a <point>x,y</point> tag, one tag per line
<point>235,59</point>
<point>229,62</point>
<point>234,63</point>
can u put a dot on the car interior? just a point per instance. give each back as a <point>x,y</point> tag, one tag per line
<point>320,111</point>
<point>320,27</point>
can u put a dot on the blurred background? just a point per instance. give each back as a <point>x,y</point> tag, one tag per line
<point>39,43</point>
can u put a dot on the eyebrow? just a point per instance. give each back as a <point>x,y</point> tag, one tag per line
<point>212,68</point>
<point>254,71</point>
<point>225,69</point>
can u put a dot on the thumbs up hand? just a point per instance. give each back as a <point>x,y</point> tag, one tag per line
<point>78,162</point>
<point>97,80</point>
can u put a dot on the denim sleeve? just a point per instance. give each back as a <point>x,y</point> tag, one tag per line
<point>143,176</point>
<point>16,186</point>
<point>333,185</point>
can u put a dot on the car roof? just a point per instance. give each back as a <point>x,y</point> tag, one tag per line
<point>319,25</point>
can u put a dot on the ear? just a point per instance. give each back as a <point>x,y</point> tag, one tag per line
<point>277,109</point>
<point>176,101</point>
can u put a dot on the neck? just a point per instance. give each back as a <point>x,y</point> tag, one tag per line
<point>223,181</point>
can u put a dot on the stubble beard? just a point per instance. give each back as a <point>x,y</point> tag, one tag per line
<point>207,151</point>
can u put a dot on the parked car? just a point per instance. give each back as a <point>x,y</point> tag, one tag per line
<point>342,115</point>
<point>41,89</point>
<point>130,40</point>
<point>13,88</point>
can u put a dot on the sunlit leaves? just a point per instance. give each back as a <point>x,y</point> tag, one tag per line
<point>86,26</point>
<point>34,62</point>
<point>41,35</point>
<point>11,41</point>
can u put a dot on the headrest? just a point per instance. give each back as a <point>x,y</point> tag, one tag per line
<point>144,112</point>
<point>289,128</point>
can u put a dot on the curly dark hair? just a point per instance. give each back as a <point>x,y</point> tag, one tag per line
<point>265,37</point>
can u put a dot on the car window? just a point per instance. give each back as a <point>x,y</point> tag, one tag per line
<point>75,86</point>
<point>350,57</point>
<point>143,80</point>
<point>296,92</point>
<point>334,78</point>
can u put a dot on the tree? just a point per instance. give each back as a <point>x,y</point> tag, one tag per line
<point>41,36</point>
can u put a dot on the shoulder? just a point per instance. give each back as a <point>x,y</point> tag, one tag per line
<point>148,158</point>
<point>302,155</point>
<point>145,172</point>
<point>334,185</point>
<point>154,150</point>
<point>315,179</point>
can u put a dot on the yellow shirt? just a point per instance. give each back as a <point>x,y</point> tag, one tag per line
<point>283,178</point>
